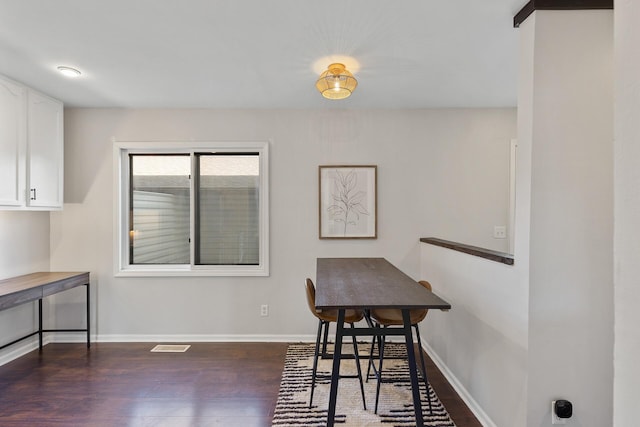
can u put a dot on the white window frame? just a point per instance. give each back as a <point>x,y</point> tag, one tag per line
<point>121,186</point>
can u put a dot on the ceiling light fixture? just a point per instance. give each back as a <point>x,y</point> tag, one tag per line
<point>69,72</point>
<point>336,82</point>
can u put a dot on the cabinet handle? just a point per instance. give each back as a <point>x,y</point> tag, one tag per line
<point>33,194</point>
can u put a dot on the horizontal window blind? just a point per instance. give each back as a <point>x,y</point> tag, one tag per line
<point>160,232</point>
<point>228,221</point>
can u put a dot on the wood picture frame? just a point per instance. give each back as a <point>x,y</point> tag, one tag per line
<point>348,200</point>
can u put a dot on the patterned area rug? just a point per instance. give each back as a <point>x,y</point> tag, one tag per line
<point>396,403</point>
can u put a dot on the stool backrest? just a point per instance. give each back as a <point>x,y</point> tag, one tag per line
<point>311,295</point>
<point>426,284</point>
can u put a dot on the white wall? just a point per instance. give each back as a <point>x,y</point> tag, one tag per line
<point>520,337</point>
<point>481,343</point>
<point>627,213</point>
<point>24,248</point>
<point>427,159</point>
<point>571,260</point>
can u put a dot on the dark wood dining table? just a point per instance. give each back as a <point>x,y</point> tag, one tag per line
<point>366,283</point>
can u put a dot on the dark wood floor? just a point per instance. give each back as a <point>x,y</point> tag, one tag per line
<point>124,384</point>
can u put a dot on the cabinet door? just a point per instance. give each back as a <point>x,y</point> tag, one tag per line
<point>45,147</point>
<point>12,143</point>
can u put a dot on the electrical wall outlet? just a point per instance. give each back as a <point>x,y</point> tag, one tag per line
<point>264,310</point>
<point>554,418</point>
<point>500,232</point>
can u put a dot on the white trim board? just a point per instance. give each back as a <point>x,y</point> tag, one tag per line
<point>477,410</point>
<point>204,338</point>
<point>17,350</point>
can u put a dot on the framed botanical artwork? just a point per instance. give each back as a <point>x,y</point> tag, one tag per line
<point>348,202</point>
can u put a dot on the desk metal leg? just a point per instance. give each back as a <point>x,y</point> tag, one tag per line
<point>415,387</point>
<point>40,323</point>
<point>335,372</point>
<point>88,317</point>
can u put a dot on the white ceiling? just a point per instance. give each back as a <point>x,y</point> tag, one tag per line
<point>263,53</point>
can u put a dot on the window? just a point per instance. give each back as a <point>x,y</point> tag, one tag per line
<point>196,211</point>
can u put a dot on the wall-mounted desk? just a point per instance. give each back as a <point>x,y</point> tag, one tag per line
<point>35,286</point>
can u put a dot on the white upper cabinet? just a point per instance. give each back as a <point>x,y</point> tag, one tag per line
<point>45,145</point>
<point>31,149</point>
<point>12,143</point>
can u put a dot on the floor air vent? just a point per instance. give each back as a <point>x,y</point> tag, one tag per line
<point>170,348</point>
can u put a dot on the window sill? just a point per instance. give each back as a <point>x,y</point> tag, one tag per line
<point>225,271</point>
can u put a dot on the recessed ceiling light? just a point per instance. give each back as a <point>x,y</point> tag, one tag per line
<point>69,72</point>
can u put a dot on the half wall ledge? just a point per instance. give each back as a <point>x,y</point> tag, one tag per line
<point>489,254</point>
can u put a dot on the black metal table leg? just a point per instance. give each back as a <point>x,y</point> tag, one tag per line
<point>415,387</point>
<point>88,317</point>
<point>335,373</point>
<point>40,323</point>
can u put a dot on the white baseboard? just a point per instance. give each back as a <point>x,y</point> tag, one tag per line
<point>20,349</point>
<point>71,337</point>
<point>459,388</point>
<point>75,337</point>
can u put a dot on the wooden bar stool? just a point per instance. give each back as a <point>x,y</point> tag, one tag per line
<point>325,317</point>
<point>385,317</point>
